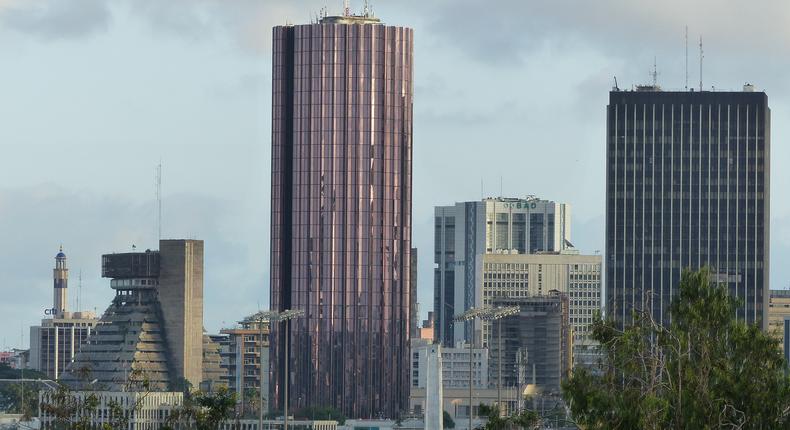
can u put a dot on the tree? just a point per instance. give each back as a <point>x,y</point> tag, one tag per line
<point>204,411</point>
<point>447,420</point>
<point>705,369</point>
<point>321,413</point>
<point>19,397</point>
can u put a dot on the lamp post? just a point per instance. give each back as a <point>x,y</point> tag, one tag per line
<point>493,314</point>
<point>470,315</point>
<point>287,316</point>
<point>259,317</point>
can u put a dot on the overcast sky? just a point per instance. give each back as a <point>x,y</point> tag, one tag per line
<point>93,94</point>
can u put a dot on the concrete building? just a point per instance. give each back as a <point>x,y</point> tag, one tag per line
<point>247,360</point>
<point>455,365</point>
<point>152,410</point>
<point>426,331</point>
<point>149,330</point>
<point>778,310</point>
<point>54,343</point>
<point>455,401</point>
<point>341,221</point>
<point>214,374</point>
<point>687,186</point>
<point>527,275</point>
<point>537,343</point>
<point>468,230</point>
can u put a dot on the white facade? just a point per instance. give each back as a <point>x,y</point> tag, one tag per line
<point>467,230</point>
<point>454,365</point>
<point>515,276</point>
<point>151,410</point>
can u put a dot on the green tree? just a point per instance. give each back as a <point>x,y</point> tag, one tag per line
<point>447,421</point>
<point>321,413</point>
<point>705,369</point>
<point>204,411</point>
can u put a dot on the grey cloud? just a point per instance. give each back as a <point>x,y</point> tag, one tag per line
<point>53,19</point>
<point>35,220</point>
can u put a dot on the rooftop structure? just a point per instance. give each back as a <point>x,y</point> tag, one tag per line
<point>153,329</point>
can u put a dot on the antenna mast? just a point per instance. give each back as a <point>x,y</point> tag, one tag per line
<point>655,73</point>
<point>79,291</point>
<point>687,57</point>
<point>701,56</point>
<point>346,8</point>
<point>159,199</point>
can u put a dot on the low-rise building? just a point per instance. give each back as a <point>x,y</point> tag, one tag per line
<point>778,310</point>
<point>151,410</point>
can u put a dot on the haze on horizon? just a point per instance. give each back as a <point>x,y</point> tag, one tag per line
<point>96,93</point>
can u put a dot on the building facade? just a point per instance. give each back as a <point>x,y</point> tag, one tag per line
<point>527,275</point>
<point>778,310</point>
<point>341,213</point>
<point>150,410</point>
<point>148,331</point>
<point>55,343</point>
<point>455,365</point>
<point>687,186</point>
<point>537,345</point>
<point>465,231</point>
<point>247,360</point>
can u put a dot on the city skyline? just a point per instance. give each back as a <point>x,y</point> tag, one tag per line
<point>87,180</point>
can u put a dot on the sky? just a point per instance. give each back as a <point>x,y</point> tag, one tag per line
<point>510,94</point>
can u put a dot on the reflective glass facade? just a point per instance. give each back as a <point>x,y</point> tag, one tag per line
<point>687,186</point>
<point>341,214</point>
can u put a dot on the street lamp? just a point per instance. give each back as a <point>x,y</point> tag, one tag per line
<point>287,315</point>
<point>470,315</point>
<point>259,317</point>
<point>493,314</point>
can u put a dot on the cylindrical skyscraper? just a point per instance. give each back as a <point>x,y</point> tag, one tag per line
<point>60,275</point>
<point>341,213</point>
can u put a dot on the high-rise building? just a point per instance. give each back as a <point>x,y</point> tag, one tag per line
<point>341,213</point>
<point>526,275</point>
<point>54,343</point>
<point>148,331</point>
<point>687,186</point>
<point>465,231</point>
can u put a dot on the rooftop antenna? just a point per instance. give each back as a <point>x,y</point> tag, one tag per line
<point>501,194</point>
<point>701,56</point>
<point>654,74</point>
<point>366,9</point>
<point>687,57</point>
<point>346,8</point>
<point>158,180</point>
<point>481,189</point>
<point>79,291</point>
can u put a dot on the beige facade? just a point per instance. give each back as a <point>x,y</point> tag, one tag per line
<point>527,275</point>
<point>246,354</point>
<point>55,343</point>
<point>778,309</point>
<point>181,299</point>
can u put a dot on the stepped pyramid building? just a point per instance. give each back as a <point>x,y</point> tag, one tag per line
<point>153,329</point>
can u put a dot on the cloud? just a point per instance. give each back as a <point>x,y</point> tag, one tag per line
<point>54,19</point>
<point>35,220</point>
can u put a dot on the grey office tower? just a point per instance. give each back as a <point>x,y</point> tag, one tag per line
<point>687,186</point>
